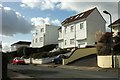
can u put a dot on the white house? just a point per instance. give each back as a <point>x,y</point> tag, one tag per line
<point>18,44</point>
<point>79,30</point>
<point>44,35</point>
<point>116,26</point>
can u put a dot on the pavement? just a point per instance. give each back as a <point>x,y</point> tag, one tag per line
<point>79,67</point>
<point>16,76</point>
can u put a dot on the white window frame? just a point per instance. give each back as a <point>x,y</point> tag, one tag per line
<point>65,42</point>
<point>72,28</point>
<point>65,29</point>
<point>42,30</point>
<point>41,39</point>
<point>81,25</point>
<point>72,41</point>
<point>36,40</point>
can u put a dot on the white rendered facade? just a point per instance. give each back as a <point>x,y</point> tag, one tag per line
<point>81,33</point>
<point>45,34</point>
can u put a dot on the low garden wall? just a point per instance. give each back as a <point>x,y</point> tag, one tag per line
<point>40,61</point>
<point>106,61</point>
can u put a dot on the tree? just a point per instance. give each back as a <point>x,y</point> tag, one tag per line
<point>104,43</point>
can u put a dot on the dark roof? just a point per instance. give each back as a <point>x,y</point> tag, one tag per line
<point>21,42</point>
<point>115,23</point>
<point>78,16</point>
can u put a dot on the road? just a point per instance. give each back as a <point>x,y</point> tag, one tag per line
<point>55,72</point>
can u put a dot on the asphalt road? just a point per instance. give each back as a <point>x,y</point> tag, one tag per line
<point>55,72</point>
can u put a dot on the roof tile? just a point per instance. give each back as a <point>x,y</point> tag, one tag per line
<point>78,16</point>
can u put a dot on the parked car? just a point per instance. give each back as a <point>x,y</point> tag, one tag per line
<point>58,59</point>
<point>18,60</point>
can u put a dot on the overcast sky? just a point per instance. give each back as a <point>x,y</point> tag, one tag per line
<point>18,18</point>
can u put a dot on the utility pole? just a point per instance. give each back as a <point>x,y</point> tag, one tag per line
<point>111,37</point>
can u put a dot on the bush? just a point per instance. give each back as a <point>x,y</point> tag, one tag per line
<point>61,51</point>
<point>46,48</point>
<point>39,55</point>
<point>48,54</point>
<point>104,44</point>
<point>21,50</point>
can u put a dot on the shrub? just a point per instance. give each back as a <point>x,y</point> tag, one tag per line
<point>48,54</point>
<point>104,44</point>
<point>21,50</point>
<point>39,55</point>
<point>46,48</point>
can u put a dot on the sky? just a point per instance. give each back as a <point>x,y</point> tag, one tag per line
<point>18,17</point>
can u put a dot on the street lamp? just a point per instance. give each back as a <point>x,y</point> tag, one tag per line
<point>111,36</point>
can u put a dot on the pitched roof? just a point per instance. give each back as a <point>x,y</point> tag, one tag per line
<point>21,42</point>
<point>59,28</point>
<point>115,23</point>
<point>78,16</point>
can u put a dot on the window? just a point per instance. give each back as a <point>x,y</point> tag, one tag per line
<point>65,29</point>
<point>71,41</point>
<point>81,26</point>
<point>36,32</point>
<point>36,40</point>
<point>42,29</point>
<point>41,39</point>
<point>60,33</point>
<point>65,42</point>
<point>71,28</point>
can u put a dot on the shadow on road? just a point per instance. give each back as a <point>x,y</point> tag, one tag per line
<point>35,73</point>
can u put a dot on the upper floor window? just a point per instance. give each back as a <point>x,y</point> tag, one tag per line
<point>81,25</point>
<point>42,29</point>
<point>36,33</point>
<point>71,28</point>
<point>65,42</point>
<point>71,41</point>
<point>41,39</point>
<point>65,29</point>
<point>36,40</point>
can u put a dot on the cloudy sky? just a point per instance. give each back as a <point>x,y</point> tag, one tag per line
<point>18,17</point>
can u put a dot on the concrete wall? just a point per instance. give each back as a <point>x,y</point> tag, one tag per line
<point>106,61</point>
<point>79,53</point>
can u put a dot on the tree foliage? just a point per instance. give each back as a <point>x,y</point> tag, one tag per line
<point>104,43</point>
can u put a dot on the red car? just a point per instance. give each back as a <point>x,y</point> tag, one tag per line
<point>18,60</point>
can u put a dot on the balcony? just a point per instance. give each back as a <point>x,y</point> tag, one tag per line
<point>60,37</point>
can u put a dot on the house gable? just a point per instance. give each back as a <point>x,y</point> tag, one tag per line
<point>79,16</point>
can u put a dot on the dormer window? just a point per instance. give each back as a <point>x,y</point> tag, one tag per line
<point>81,15</point>
<point>42,29</point>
